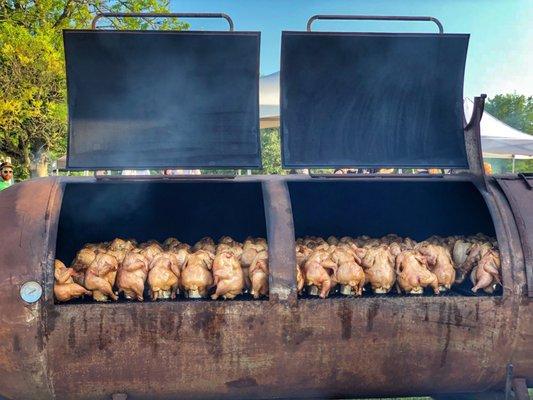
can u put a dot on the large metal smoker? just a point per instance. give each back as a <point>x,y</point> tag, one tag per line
<point>139,100</point>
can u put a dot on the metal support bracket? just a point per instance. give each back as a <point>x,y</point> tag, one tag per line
<point>473,142</point>
<point>515,388</point>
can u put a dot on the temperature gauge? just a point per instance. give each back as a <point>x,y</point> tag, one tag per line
<point>31,292</point>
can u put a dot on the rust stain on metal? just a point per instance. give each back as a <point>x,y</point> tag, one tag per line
<point>371,314</point>
<point>72,333</point>
<point>242,383</point>
<point>345,314</point>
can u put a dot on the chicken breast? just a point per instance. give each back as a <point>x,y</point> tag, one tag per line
<point>413,274</point>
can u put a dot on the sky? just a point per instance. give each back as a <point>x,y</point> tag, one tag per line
<point>500,51</point>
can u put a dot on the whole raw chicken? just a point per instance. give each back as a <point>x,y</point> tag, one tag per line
<point>119,247</point>
<point>100,277</point>
<point>228,275</point>
<point>84,258</point>
<point>250,249</point>
<point>196,276</point>
<point>413,274</point>
<point>206,244</point>
<point>64,287</point>
<point>378,263</point>
<point>182,252</point>
<point>171,243</point>
<point>348,273</point>
<point>259,275</point>
<point>132,275</point>
<point>150,250</point>
<point>227,243</point>
<point>440,263</point>
<point>460,252</point>
<point>332,240</point>
<point>163,276</point>
<point>474,254</point>
<point>318,271</point>
<point>486,274</point>
<point>302,254</point>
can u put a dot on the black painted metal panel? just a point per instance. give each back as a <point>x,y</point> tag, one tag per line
<point>519,193</point>
<point>407,208</point>
<point>372,100</point>
<point>156,99</point>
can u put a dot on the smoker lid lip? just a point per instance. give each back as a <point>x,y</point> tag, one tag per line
<point>358,33</point>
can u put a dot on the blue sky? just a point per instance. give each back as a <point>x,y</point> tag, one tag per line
<point>501,43</point>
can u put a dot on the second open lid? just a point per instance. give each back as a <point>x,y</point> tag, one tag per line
<point>372,99</point>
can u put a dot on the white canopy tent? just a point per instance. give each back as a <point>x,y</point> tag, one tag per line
<point>498,140</point>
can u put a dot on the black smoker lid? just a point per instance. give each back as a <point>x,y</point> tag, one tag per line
<point>372,99</point>
<point>155,99</point>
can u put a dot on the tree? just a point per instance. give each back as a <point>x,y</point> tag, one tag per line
<point>271,151</point>
<point>33,112</point>
<point>513,109</point>
<point>516,111</point>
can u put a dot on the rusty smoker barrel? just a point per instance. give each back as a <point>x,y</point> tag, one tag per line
<point>282,347</point>
<point>285,346</point>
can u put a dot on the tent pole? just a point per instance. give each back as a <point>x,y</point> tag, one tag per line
<point>514,158</point>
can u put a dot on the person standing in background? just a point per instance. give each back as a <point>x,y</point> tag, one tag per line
<point>6,175</point>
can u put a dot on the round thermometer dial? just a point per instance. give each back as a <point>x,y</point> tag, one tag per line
<point>31,292</point>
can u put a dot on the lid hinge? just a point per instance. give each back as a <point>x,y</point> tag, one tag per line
<point>473,141</point>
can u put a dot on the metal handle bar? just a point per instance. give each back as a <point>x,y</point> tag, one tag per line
<point>163,15</point>
<point>374,18</point>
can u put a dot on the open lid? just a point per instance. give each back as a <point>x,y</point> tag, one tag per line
<point>372,99</point>
<point>156,99</point>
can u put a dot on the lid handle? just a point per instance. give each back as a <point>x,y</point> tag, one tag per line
<point>162,15</point>
<point>374,18</point>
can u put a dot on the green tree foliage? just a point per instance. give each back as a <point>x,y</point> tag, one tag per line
<point>513,109</point>
<point>516,111</point>
<point>33,114</point>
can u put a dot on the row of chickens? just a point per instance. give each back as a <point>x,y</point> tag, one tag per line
<point>105,270</point>
<point>437,262</point>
